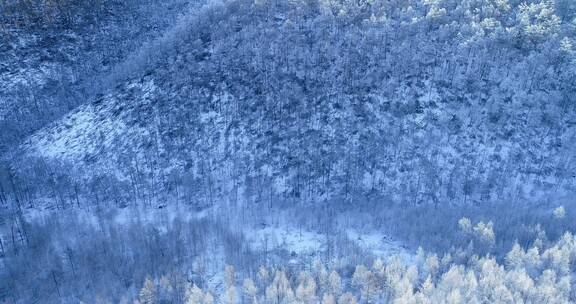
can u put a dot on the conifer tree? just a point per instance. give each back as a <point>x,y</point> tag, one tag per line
<point>250,290</point>
<point>328,299</point>
<point>147,294</point>
<point>194,295</point>
<point>335,283</point>
<point>306,290</point>
<point>347,298</point>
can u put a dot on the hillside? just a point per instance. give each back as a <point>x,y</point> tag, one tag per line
<point>283,152</point>
<point>55,55</point>
<point>256,102</point>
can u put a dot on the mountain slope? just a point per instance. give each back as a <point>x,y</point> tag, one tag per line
<point>55,55</point>
<point>320,102</point>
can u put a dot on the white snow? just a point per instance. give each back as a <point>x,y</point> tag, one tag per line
<point>81,133</point>
<point>291,239</point>
<point>304,242</point>
<point>380,245</point>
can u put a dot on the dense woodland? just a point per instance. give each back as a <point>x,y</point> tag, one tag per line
<point>140,139</point>
<point>415,102</point>
<point>98,259</point>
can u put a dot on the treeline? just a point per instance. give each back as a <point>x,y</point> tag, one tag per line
<point>536,275</point>
<point>102,254</point>
<point>56,258</point>
<point>105,255</point>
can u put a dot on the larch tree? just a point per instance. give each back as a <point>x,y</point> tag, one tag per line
<point>432,265</point>
<point>347,298</point>
<point>279,290</point>
<point>365,280</point>
<point>263,277</point>
<point>328,299</point>
<point>208,298</point>
<point>250,291</point>
<point>147,294</point>
<point>321,274</point>
<point>424,294</point>
<point>335,283</point>
<point>230,296</point>
<point>515,257</point>
<point>306,290</point>
<point>194,295</point>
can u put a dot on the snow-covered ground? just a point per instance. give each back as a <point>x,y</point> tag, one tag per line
<point>295,240</point>
<point>380,245</point>
<point>308,243</point>
<point>76,136</point>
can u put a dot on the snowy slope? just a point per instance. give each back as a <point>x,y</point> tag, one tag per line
<point>49,67</point>
<point>226,109</point>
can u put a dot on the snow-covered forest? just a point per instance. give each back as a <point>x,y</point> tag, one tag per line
<point>287,151</point>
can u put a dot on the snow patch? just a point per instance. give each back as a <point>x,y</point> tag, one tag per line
<point>295,240</point>
<point>80,134</point>
<point>380,245</point>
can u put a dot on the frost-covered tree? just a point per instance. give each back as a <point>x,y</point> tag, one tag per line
<point>365,280</point>
<point>279,290</point>
<point>230,296</point>
<point>147,294</point>
<point>465,225</point>
<point>335,283</point>
<point>347,298</point>
<point>321,274</point>
<point>250,291</point>
<point>559,212</point>
<point>537,21</point>
<point>515,257</point>
<point>230,275</point>
<point>208,298</point>
<point>328,299</point>
<point>432,264</point>
<point>194,295</point>
<point>263,277</point>
<point>306,289</point>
